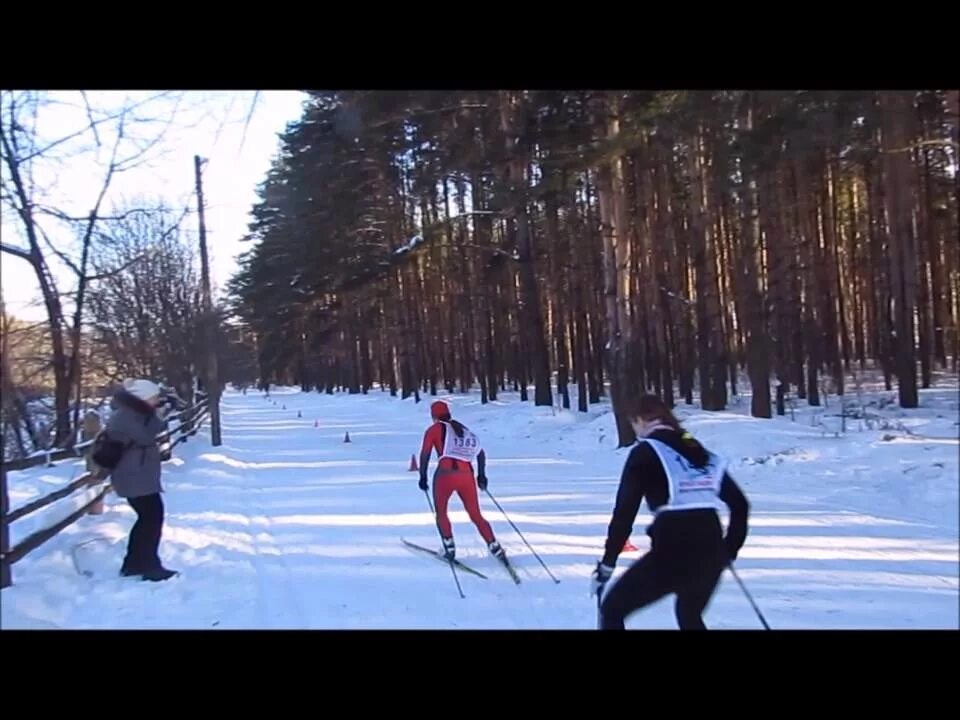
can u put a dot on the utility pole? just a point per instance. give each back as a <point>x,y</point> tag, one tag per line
<point>212,380</point>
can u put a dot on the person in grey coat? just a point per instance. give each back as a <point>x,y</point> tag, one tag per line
<point>136,478</point>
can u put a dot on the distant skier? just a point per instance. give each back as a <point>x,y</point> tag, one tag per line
<point>456,448</point>
<point>684,485</point>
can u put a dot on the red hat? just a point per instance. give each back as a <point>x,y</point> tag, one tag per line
<point>439,408</point>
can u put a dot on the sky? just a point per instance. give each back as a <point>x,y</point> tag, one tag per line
<point>209,124</point>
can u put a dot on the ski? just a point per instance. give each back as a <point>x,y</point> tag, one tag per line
<point>439,556</point>
<point>510,569</point>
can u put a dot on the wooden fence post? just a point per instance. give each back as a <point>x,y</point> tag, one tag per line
<point>91,426</point>
<point>6,577</point>
<point>186,421</point>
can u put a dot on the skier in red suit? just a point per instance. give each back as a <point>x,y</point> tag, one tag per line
<point>456,448</point>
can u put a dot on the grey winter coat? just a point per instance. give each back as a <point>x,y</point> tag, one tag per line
<point>133,420</point>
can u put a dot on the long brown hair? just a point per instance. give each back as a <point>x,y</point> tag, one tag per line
<point>650,407</point>
<point>458,427</point>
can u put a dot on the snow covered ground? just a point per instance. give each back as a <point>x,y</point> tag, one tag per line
<point>287,526</point>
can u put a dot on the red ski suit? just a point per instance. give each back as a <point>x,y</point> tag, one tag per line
<point>452,476</point>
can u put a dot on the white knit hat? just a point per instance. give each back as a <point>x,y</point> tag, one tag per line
<point>143,389</point>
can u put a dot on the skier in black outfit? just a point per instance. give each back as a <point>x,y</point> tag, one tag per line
<point>688,551</point>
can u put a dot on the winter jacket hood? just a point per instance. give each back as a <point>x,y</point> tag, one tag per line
<point>125,399</point>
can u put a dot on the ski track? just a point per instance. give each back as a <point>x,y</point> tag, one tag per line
<point>277,604</point>
<point>286,526</point>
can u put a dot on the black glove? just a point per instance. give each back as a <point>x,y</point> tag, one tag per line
<point>598,579</point>
<point>423,483</point>
<point>482,482</point>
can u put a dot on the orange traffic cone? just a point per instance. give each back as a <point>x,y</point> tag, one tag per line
<point>346,438</point>
<point>413,464</point>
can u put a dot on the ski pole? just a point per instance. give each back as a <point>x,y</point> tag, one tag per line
<point>452,568</point>
<point>520,534</point>
<point>749,597</point>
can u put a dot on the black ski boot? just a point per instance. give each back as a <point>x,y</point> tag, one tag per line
<point>159,574</point>
<point>129,570</point>
<point>449,548</point>
<point>498,552</point>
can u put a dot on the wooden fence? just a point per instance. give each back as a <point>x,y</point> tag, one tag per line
<point>190,421</point>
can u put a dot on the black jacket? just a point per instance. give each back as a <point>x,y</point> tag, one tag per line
<point>643,477</point>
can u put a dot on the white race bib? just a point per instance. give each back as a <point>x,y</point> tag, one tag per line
<point>689,487</point>
<point>464,448</point>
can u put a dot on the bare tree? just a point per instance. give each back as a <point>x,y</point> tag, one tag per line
<point>144,311</point>
<point>31,158</point>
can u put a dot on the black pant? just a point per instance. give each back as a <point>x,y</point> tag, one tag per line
<point>144,543</point>
<point>690,572</point>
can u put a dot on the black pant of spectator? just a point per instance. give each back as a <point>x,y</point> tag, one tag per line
<point>144,543</point>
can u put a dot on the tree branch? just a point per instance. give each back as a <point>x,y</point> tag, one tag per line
<point>246,124</point>
<point>412,114</point>
<point>59,253</point>
<point>107,118</point>
<point>494,250</point>
<point>922,143</point>
<point>60,215</point>
<point>157,246</point>
<point>93,126</point>
<point>19,252</point>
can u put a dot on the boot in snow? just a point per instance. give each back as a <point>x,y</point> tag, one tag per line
<point>159,574</point>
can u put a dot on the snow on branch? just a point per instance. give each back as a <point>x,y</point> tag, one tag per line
<point>675,296</point>
<point>411,244</point>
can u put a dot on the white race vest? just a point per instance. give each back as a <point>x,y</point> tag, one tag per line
<point>689,487</point>
<point>464,448</point>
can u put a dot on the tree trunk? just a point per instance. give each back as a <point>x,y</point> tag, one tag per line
<point>512,119</point>
<point>754,303</point>
<point>895,108</point>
